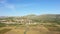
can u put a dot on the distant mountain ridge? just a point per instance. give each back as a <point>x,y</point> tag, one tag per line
<point>35,18</point>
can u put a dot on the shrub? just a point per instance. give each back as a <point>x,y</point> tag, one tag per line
<point>2,24</point>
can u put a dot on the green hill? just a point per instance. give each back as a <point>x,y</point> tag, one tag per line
<point>46,18</point>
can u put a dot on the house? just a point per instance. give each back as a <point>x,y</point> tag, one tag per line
<point>18,21</point>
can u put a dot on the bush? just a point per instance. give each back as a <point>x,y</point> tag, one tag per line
<point>2,24</point>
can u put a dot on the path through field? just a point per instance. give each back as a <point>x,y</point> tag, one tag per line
<point>40,29</point>
<point>31,30</point>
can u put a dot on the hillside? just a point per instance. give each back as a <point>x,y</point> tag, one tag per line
<point>55,18</point>
<point>30,24</point>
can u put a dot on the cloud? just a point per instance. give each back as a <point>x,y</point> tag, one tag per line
<point>7,5</point>
<point>3,1</point>
<point>10,6</point>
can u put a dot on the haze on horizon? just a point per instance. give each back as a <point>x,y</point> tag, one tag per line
<point>25,7</point>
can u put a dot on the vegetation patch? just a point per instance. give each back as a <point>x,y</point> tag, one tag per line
<point>4,31</point>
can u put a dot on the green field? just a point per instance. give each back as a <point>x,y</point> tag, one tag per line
<point>31,29</point>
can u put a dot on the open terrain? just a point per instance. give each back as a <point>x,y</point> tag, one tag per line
<point>30,24</point>
<point>31,29</point>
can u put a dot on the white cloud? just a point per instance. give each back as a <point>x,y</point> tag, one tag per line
<point>7,5</point>
<point>10,6</point>
<point>3,1</point>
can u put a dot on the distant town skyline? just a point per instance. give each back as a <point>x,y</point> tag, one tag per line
<point>25,7</point>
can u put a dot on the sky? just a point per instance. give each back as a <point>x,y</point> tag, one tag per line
<point>25,7</point>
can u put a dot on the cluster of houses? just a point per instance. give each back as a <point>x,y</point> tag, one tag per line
<point>18,21</point>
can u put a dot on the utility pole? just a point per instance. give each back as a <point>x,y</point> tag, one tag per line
<point>26,25</point>
<point>57,18</point>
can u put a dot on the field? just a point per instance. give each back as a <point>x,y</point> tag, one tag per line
<point>43,28</point>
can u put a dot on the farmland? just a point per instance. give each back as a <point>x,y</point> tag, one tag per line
<point>33,25</point>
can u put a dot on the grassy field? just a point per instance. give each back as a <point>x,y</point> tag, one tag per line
<point>31,29</point>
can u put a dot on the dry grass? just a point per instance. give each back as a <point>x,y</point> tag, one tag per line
<point>39,29</point>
